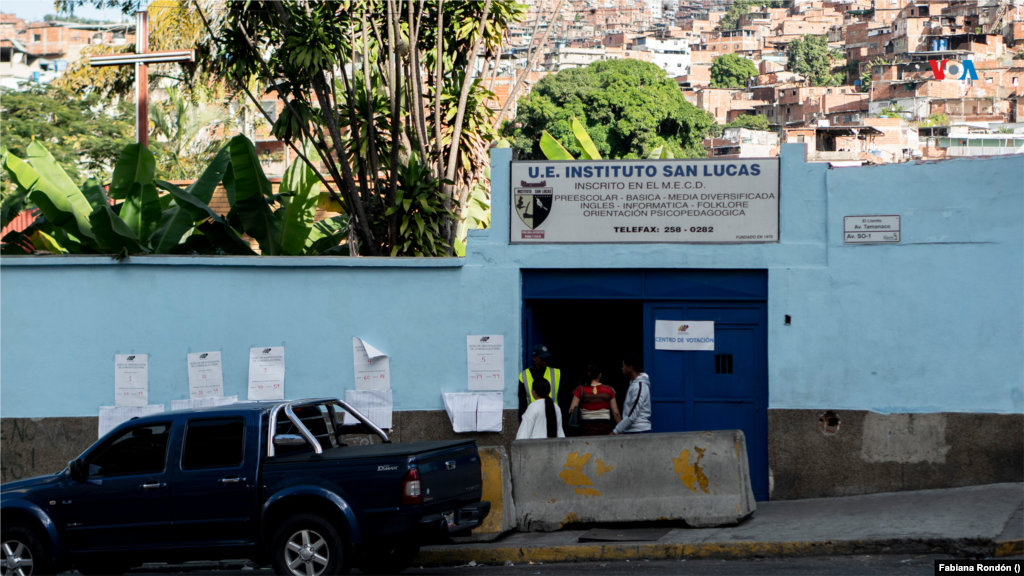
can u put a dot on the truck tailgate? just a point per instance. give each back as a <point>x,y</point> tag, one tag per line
<point>451,475</point>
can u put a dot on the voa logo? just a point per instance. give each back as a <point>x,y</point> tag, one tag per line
<point>953,70</point>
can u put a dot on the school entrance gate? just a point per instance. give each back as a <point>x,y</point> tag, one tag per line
<point>595,316</point>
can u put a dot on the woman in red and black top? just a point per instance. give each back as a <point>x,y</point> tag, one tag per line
<point>597,404</point>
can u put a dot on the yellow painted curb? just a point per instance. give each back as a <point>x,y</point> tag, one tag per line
<point>496,554</point>
<point>1009,548</point>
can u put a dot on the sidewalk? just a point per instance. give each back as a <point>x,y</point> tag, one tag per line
<point>971,521</point>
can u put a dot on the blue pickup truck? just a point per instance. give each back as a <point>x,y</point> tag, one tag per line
<point>269,481</point>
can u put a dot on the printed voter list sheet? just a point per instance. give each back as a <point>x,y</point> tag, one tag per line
<point>191,403</point>
<point>372,367</point>
<point>266,373</point>
<point>131,379</point>
<point>684,335</point>
<point>461,408</point>
<point>205,378</point>
<point>488,412</point>
<point>374,404</point>
<point>112,416</point>
<point>485,357</point>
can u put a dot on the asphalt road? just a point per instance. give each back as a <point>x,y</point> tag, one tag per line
<point>877,565</point>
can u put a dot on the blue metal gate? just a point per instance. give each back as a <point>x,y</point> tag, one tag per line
<point>691,390</point>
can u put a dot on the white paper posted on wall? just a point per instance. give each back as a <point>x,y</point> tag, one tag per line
<point>485,358</point>
<point>131,379</point>
<point>375,405</point>
<point>474,411</point>
<point>191,403</point>
<point>684,335</point>
<point>266,373</point>
<point>205,376</point>
<point>372,367</point>
<point>112,416</point>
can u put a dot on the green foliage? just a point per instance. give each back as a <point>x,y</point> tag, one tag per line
<point>893,111</point>
<point>83,134</point>
<point>186,127</point>
<point>83,221</point>
<point>731,71</point>
<point>74,19</point>
<point>811,57</point>
<point>418,209</point>
<point>750,122</point>
<point>937,119</point>
<point>732,16</point>
<point>628,108</point>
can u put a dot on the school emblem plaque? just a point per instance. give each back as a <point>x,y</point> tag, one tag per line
<point>533,203</point>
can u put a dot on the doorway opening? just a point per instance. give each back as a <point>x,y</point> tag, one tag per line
<point>582,332</point>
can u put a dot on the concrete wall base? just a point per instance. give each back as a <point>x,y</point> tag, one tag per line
<point>825,453</point>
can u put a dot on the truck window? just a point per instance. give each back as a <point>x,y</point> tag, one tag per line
<point>316,419</point>
<point>213,443</point>
<point>139,450</point>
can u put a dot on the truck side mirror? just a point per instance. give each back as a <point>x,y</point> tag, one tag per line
<point>289,440</point>
<point>76,469</point>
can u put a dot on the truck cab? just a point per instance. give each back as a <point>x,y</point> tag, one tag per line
<point>273,482</point>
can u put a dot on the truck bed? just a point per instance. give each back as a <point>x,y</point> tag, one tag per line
<point>372,451</point>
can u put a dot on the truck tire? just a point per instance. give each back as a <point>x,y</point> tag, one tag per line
<point>308,545</point>
<point>24,552</point>
<point>390,558</point>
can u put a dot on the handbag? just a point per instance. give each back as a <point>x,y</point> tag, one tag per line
<point>575,419</point>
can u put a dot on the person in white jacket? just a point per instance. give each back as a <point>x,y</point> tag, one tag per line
<point>542,418</point>
<point>636,409</point>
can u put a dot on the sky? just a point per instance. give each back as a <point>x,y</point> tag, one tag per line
<point>34,10</point>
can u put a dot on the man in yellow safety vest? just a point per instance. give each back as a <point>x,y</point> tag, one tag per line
<point>540,369</point>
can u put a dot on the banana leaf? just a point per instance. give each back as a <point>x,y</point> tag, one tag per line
<point>552,149</point>
<point>224,238</point>
<point>187,201</point>
<point>17,242</point>
<point>297,213</point>
<point>250,189</point>
<point>586,145</point>
<point>175,223</point>
<point>326,235</point>
<point>660,153</point>
<point>113,235</point>
<point>135,165</point>
<point>55,203</point>
<point>141,211</point>
<point>13,205</point>
<point>95,194</point>
<point>206,184</point>
<point>40,159</point>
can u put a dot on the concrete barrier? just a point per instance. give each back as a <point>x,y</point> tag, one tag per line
<point>497,489</point>
<point>699,477</point>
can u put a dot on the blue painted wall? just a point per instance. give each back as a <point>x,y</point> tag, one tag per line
<point>935,323</point>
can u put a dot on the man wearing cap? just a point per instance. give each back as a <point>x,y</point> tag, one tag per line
<point>540,369</point>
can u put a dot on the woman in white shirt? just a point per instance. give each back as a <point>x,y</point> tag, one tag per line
<point>542,418</point>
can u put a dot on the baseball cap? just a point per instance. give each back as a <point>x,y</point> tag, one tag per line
<point>541,351</point>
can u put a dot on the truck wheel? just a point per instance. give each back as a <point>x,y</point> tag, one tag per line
<point>390,558</point>
<point>308,545</point>
<point>23,553</point>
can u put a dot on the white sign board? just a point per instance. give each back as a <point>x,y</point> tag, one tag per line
<point>372,367</point>
<point>205,377</point>
<point>684,335</point>
<point>266,373</point>
<point>131,379</point>
<point>871,229</point>
<point>485,357</point>
<point>733,201</point>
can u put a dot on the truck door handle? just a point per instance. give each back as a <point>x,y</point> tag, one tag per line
<point>231,480</point>
<point>152,486</point>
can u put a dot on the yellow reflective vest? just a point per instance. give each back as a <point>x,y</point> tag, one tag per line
<point>527,378</point>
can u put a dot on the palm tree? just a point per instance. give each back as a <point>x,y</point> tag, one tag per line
<point>188,135</point>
